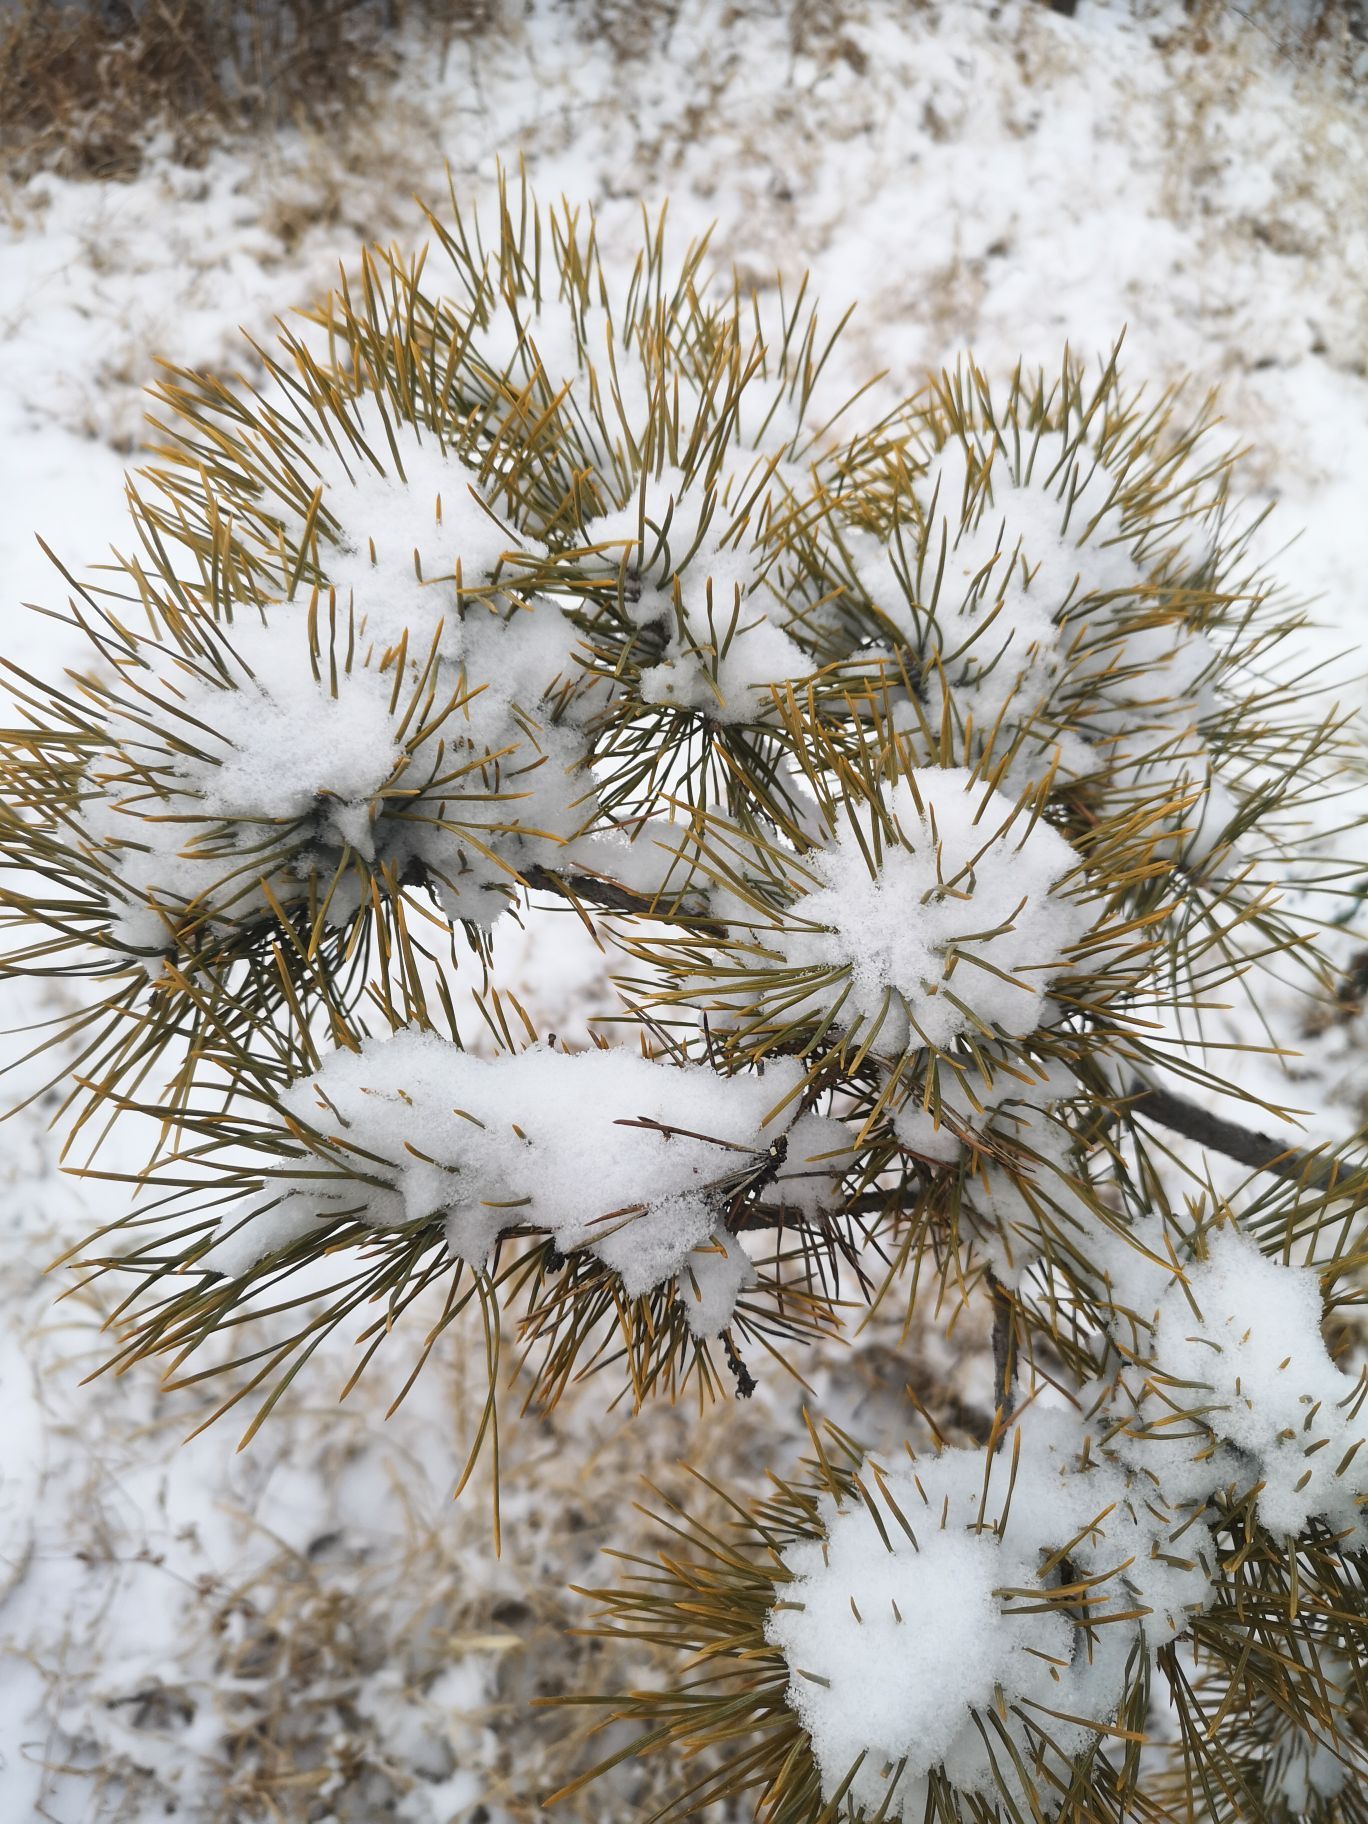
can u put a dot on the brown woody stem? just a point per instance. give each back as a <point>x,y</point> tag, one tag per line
<point>609,896</point>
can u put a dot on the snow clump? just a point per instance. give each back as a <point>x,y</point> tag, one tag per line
<point>633,1160</point>
<point>961,927</point>
<point>1238,1338</point>
<point>290,766</point>
<point>928,1638</point>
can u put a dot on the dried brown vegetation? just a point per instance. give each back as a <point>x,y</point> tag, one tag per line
<point>85,85</point>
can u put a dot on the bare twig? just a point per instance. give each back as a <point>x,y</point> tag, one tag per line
<point>1004,1357</point>
<point>610,897</point>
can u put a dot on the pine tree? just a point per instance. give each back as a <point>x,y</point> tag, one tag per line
<point>935,778</point>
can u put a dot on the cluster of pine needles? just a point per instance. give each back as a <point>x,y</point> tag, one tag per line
<point>763,631</point>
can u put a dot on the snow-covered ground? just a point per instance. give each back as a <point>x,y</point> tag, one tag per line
<point>312,1625</point>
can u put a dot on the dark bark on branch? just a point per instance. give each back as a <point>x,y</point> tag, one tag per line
<point>1260,1152</point>
<point>1246,1146</point>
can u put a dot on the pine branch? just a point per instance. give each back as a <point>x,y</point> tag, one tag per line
<point>1247,1146</point>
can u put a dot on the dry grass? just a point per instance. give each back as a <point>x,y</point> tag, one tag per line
<point>1296,28</point>
<point>332,1639</point>
<point>348,1679</point>
<point>86,85</point>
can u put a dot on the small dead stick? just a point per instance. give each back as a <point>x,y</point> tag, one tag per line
<point>1004,1358</point>
<point>745,1380</point>
<point>608,896</point>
